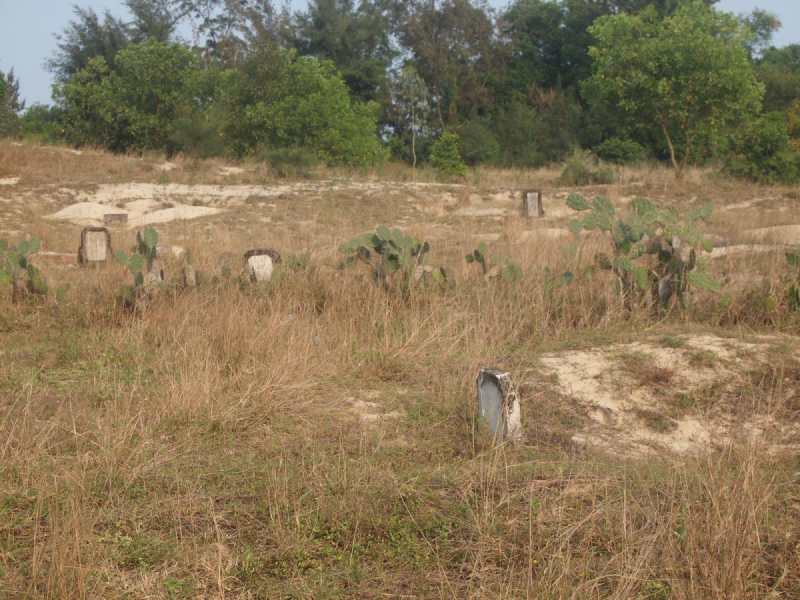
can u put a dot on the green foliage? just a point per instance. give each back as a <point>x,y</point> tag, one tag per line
<point>142,256</point>
<point>621,151</point>
<point>10,105</point>
<point>353,36</point>
<point>16,267</point>
<point>135,106</point>
<point>761,150</point>
<point>479,144</point>
<point>277,100</point>
<point>673,243</point>
<point>291,162</point>
<point>582,168</point>
<point>395,258</point>
<point>446,155</point>
<point>505,268</point>
<point>198,134</point>
<point>685,77</point>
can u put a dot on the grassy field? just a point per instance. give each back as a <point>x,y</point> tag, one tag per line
<point>319,438</point>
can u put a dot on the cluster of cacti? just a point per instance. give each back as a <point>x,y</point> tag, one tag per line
<point>140,262</point>
<point>505,268</point>
<point>391,254</point>
<point>15,265</point>
<point>662,234</point>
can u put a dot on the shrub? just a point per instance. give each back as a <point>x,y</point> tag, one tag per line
<point>291,162</point>
<point>277,100</point>
<point>198,135</point>
<point>762,151</point>
<point>478,144</point>
<point>621,151</point>
<point>582,168</point>
<point>446,155</point>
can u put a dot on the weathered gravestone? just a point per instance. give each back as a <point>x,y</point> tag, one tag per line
<point>532,203</point>
<point>260,263</point>
<point>112,219</point>
<point>498,404</point>
<point>95,246</point>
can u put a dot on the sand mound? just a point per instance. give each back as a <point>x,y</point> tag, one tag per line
<point>650,397</point>
<point>9,180</point>
<point>140,213</point>
<point>781,234</point>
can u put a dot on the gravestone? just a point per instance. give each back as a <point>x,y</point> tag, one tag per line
<point>112,219</point>
<point>260,263</point>
<point>189,277</point>
<point>532,203</point>
<point>152,281</point>
<point>95,246</point>
<point>498,404</point>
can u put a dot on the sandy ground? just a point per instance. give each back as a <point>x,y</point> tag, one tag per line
<point>641,398</point>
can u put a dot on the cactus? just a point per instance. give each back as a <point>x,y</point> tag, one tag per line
<point>479,256</point>
<point>392,255</point>
<point>142,255</point>
<point>649,232</point>
<point>15,264</point>
<point>507,269</point>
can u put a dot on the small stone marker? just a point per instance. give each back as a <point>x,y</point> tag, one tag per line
<point>260,263</point>
<point>152,280</point>
<point>95,246</point>
<point>532,203</point>
<point>112,219</point>
<point>498,404</point>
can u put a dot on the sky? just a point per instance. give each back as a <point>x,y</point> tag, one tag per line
<point>27,28</point>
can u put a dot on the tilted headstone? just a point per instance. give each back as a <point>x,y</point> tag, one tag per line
<point>532,203</point>
<point>260,263</point>
<point>498,404</point>
<point>112,219</point>
<point>95,246</point>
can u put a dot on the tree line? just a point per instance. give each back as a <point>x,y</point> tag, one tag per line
<point>448,82</point>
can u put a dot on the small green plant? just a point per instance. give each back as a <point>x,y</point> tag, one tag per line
<point>291,163</point>
<point>674,242</point>
<point>16,266</point>
<point>621,151</point>
<point>446,155</point>
<point>140,262</point>
<point>505,268</point>
<point>582,168</point>
<point>393,256</point>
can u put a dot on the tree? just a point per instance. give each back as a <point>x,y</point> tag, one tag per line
<point>135,106</point>
<point>689,74</point>
<point>779,71</point>
<point>277,100</point>
<point>455,50</point>
<point>10,104</point>
<point>412,111</point>
<point>155,20</point>
<point>354,38</point>
<point>762,25</point>
<point>85,38</point>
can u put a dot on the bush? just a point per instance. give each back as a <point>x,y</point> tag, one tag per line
<point>291,162</point>
<point>446,155</point>
<point>198,135</point>
<point>277,100</point>
<point>762,151</point>
<point>621,151</point>
<point>41,123</point>
<point>478,144</point>
<point>583,168</point>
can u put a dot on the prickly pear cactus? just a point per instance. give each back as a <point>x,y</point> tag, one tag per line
<point>674,242</point>
<point>395,259</point>
<point>17,270</point>
<point>139,262</point>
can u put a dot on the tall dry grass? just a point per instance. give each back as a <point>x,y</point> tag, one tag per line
<point>319,439</point>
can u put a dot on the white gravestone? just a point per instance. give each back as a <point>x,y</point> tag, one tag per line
<point>260,263</point>
<point>498,404</point>
<point>532,203</point>
<point>95,246</point>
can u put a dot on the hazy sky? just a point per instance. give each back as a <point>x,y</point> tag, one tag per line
<point>27,28</point>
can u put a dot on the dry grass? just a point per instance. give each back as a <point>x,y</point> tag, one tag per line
<point>215,445</point>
